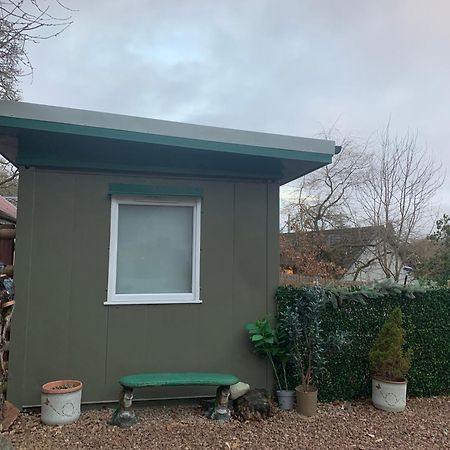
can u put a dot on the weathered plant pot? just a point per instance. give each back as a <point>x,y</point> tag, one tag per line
<point>389,395</point>
<point>61,402</point>
<point>286,399</point>
<point>306,401</point>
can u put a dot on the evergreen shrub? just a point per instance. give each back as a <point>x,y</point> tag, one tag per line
<point>387,359</point>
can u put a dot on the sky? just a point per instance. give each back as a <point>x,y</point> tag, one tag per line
<point>288,67</point>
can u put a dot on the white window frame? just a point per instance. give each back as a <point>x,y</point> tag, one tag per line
<point>153,298</point>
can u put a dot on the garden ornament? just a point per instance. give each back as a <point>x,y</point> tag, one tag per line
<point>124,416</point>
<point>220,410</point>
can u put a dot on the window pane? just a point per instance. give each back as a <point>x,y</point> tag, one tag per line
<point>154,249</point>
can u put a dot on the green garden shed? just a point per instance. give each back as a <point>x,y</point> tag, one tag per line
<point>142,246</point>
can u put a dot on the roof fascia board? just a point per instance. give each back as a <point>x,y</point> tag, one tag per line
<point>174,141</point>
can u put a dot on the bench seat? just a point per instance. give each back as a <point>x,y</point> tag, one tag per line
<point>124,416</point>
<point>177,379</point>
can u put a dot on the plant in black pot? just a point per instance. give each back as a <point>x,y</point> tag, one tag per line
<point>300,320</point>
<point>268,341</point>
<point>389,364</point>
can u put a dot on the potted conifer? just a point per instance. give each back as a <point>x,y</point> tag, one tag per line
<point>268,341</point>
<point>389,365</point>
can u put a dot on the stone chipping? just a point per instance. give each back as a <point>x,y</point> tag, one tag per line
<point>425,424</point>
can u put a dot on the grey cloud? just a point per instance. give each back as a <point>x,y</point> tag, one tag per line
<point>278,66</point>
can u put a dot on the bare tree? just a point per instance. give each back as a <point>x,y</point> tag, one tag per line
<point>8,178</point>
<point>399,188</point>
<point>23,22</point>
<point>389,189</point>
<point>322,201</point>
<point>323,198</point>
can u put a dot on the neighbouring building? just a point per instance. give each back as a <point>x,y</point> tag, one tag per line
<point>354,254</point>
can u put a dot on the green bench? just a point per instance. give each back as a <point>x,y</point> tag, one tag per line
<point>124,416</point>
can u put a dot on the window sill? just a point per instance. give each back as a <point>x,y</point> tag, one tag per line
<point>153,302</point>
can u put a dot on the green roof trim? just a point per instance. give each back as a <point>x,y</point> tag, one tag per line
<point>178,379</point>
<point>89,166</point>
<point>154,191</point>
<point>150,138</point>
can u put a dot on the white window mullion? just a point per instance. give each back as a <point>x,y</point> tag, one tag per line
<point>113,249</point>
<point>196,250</point>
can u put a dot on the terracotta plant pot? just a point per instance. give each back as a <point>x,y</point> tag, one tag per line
<point>389,395</point>
<point>61,402</point>
<point>306,401</point>
<point>286,399</point>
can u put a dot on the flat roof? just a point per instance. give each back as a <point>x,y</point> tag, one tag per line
<point>18,116</point>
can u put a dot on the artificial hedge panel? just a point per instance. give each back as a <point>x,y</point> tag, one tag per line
<point>428,329</point>
<point>359,318</point>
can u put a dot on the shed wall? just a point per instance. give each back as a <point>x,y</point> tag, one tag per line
<point>62,329</point>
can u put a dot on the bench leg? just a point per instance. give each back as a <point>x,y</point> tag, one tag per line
<point>124,416</point>
<point>220,410</point>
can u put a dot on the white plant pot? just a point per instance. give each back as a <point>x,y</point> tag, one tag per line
<point>389,395</point>
<point>61,406</point>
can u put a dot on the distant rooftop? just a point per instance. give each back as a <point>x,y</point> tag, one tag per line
<point>344,245</point>
<point>8,211</point>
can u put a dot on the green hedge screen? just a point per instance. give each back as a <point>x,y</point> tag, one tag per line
<point>427,325</point>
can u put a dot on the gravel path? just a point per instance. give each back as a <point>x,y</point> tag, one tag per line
<point>424,425</point>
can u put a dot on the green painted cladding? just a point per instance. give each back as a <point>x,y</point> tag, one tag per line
<point>62,329</point>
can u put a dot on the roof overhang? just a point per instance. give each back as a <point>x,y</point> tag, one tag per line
<point>26,131</point>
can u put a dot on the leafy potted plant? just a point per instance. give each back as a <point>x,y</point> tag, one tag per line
<point>301,321</point>
<point>61,402</point>
<point>268,341</point>
<point>389,365</point>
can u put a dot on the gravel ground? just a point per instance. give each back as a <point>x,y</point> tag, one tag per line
<point>424,425</point>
